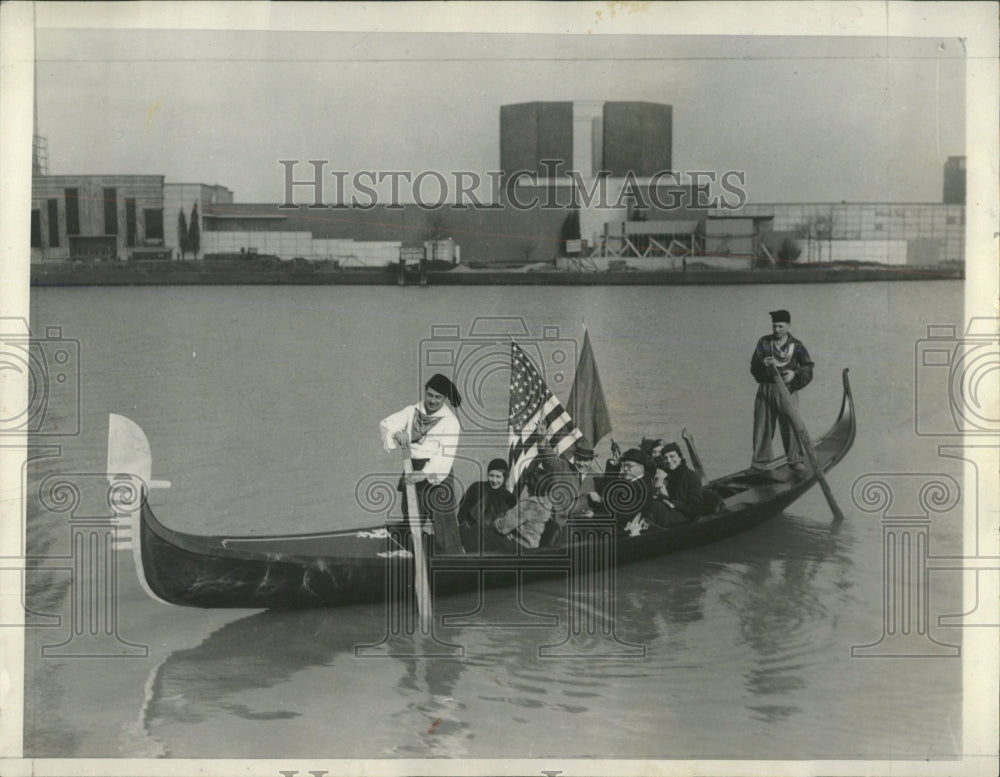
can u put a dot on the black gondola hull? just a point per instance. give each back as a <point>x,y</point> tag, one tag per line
<point>372,565</point>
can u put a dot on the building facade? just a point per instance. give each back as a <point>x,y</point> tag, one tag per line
<point>95,217</point>
<point>888,233</point>
<point>622,203</point>
<point>179,197</point>
<point>108,218</point>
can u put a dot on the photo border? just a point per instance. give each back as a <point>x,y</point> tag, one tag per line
<point>974,23</point>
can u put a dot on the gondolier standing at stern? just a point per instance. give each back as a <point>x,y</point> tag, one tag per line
<point>430,430</point>
<point>795,366</point>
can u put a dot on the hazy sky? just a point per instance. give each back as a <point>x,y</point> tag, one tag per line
<point>807,119</point>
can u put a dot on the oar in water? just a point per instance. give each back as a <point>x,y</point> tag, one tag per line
<point>800,429</point>
<point>420,581</point>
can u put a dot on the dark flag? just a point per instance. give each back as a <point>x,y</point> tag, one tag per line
<point>531,401</point>
<point>586,399</point>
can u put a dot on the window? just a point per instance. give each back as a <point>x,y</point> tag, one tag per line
<point>73,211</point>
<point>153,219</point>
<point>130,224</point>
<point>54,223</point>
<point>36,228</point>
<point>110,210</point>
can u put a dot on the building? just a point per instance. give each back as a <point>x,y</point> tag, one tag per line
<point>896,233</point>
<point>95,217</point>
<point>592,138</point>
<point>184,196</point>
<point>588,185</point>
<point>591,153</point>
<point>954,181</point>
<point>112,217</point>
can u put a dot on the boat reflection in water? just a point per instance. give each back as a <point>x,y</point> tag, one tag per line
<point>285,683</point>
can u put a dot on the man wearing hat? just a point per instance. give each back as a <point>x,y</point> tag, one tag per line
<point>430,430</point>
<point>795,366</point>
<point>629,493</point>
<point>578,496</point>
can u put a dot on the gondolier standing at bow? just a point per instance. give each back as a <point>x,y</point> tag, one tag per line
<point>431,431</point>
<point>795,366</point>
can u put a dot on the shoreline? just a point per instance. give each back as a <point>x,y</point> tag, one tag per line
<point>131,276</point>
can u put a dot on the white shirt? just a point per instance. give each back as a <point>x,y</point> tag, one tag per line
<point>438,446</point>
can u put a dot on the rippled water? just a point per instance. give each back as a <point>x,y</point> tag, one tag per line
<point>262,404</point>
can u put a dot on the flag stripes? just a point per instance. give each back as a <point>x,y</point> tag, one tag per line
<point>531,400</point>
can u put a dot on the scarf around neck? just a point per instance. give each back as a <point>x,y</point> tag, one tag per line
<point>782,354</point>
<point>422,423</point>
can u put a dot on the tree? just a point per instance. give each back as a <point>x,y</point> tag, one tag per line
<point>194,232</point>
<point>789,251</point>
<point>183,243</point>
<point>816,229</point>
<point>570,228</point>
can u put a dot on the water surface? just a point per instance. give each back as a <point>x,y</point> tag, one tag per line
<point>262,407</point>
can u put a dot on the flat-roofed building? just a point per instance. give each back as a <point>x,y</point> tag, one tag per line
<point>95,217</point>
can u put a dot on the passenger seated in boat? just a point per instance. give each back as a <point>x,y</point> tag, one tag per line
<point>628,493</point>
<point>483,503</point>
<point>653,447</point>
<point>681,493</point>
<point>523,525</point>
<point>573,486</point>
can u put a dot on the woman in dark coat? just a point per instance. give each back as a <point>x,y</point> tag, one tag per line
<point>483,503</point>
<point>685,498</point>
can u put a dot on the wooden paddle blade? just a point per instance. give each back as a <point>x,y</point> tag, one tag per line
<point>421,583</point>
<point>806,441</point>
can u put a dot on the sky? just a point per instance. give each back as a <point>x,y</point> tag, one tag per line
<point>810,119</point>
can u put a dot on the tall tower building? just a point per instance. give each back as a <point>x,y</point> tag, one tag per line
<point>607,144</point>
<point>954,181</point>
<point>614,138</point>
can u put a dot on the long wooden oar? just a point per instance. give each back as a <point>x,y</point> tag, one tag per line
<point>805,440</point>
<point>420,581</point>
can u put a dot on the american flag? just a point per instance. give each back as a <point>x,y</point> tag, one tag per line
<point>532,401</point>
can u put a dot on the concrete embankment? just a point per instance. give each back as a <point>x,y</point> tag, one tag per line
<point>126,276</point>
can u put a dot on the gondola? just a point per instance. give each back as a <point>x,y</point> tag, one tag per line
<point>368,565</point>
